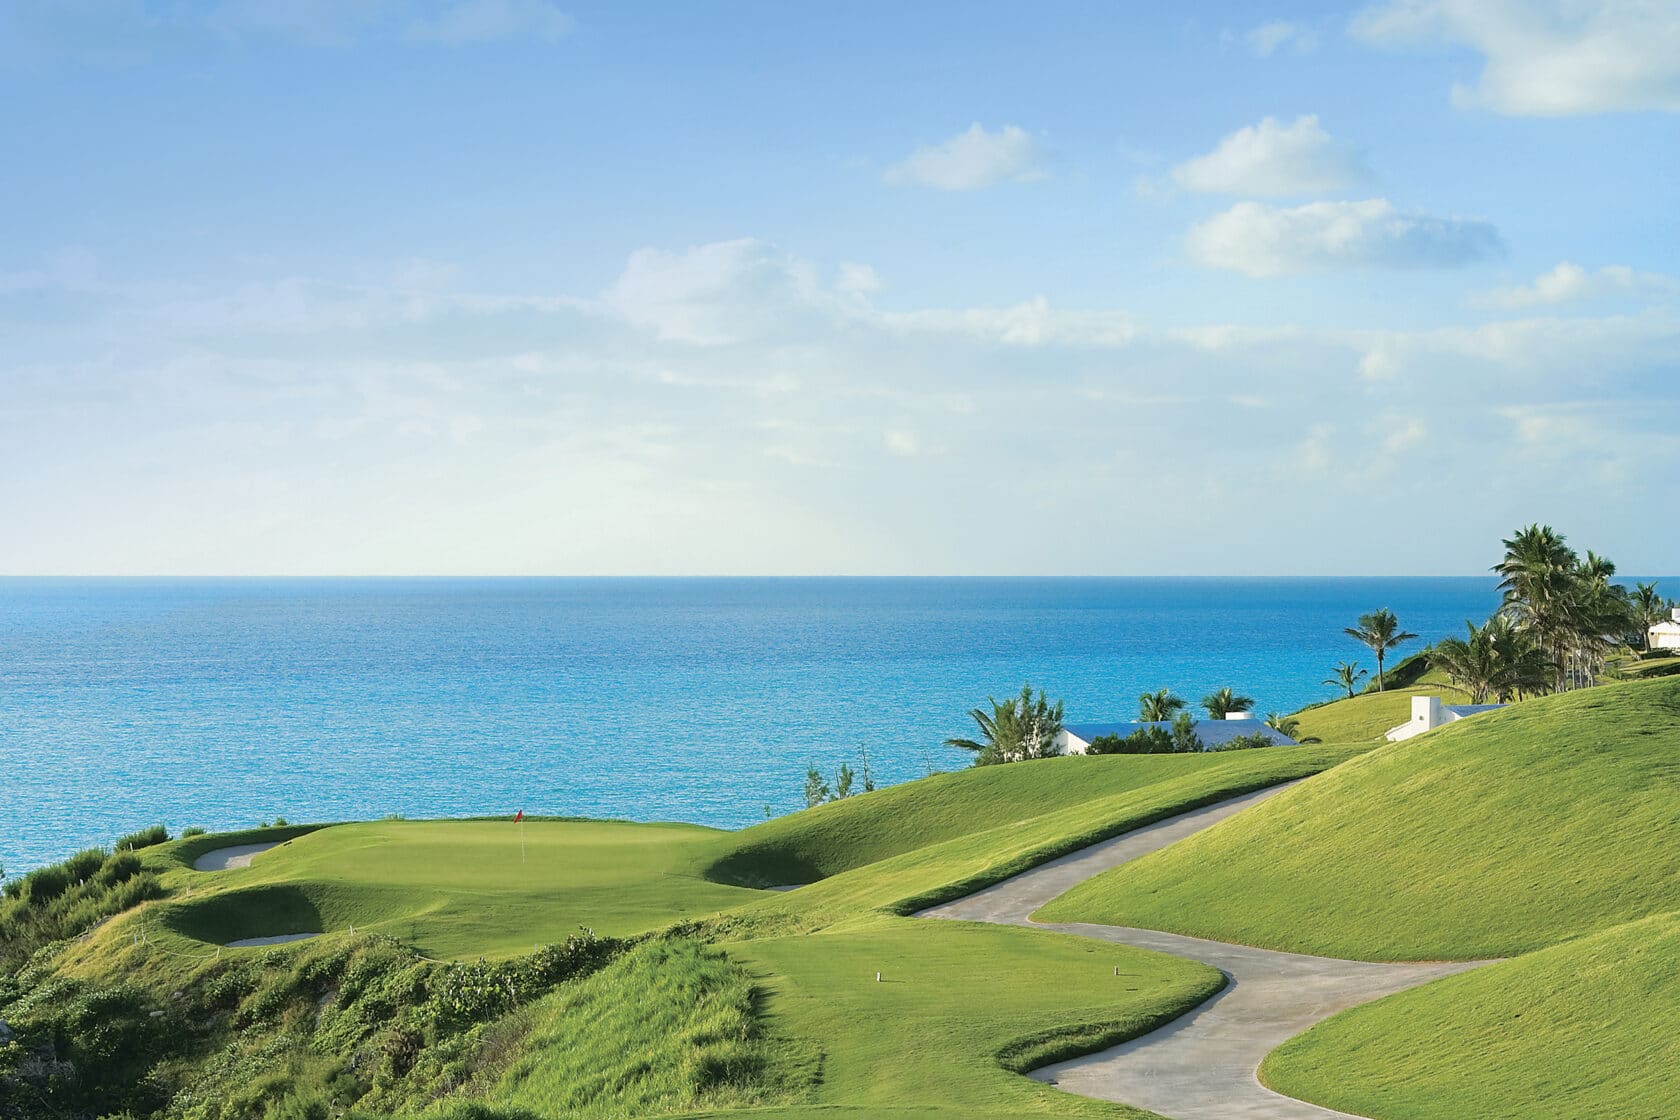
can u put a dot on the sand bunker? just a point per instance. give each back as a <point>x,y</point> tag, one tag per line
<point>227,859</point>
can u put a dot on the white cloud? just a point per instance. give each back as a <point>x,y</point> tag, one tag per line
<point>1271,159</point>
<point>1569,283</point>
<point>1547,58</point>
<point>1265,40</point>
<point>1261,240</point>
<point>972,159</point>
<point>483,21</point>
<point>723,292</point>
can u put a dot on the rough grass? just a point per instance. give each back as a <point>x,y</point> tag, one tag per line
<point>670,1026</point>
<point>1491,837</point>
<point>1586,1028</point>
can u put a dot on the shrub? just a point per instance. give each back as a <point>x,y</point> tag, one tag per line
<point>1250,741</point>
<point>44,884</point>
<point>191,831</point>
<point>145,838</point>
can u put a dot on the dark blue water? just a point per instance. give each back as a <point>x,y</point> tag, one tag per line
<point>222,703</point>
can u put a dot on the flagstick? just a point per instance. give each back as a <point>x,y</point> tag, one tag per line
<point>522,838</point>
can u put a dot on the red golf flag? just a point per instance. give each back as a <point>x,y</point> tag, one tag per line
<point>519,816</point>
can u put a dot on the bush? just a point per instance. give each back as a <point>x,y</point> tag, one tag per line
<point>1247,742</point>
<point>1154,738</point>
<point>145,838</point>
<point>189,832</point>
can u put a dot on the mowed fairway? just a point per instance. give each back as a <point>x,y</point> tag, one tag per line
<point>466,888</point>
<point>1501,834</point>
<point>960,1010</point>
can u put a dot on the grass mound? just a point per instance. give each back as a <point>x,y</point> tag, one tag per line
<point>1586,1028</point>
<point>1502,834</point>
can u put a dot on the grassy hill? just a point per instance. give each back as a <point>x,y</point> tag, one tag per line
<point>1585,1028</point>
<point>1498,835</point>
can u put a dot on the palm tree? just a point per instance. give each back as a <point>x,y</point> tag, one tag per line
<point>1159,706</point>
<point>1222,703</point>
<point>1381,631</point>
<point>1538,580</point>
<point>1019,728</point>
<point>1648,610</point>
<point>1348,674</point>
<point>1284,725</point>
<point>1493,661</point>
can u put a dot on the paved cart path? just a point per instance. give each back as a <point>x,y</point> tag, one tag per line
<point>1202,1065</point>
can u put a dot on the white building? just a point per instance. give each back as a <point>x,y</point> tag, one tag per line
<point>1666,635</point>
<point>1428,713</point>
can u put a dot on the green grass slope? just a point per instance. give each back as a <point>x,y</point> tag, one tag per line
<point>842,835</point>
<point>1587,1028</point>
<point>1491,837</point>
<point>1364,718</point>
<point>1005,843</point>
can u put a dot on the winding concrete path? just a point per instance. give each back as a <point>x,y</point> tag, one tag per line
<point>1202,1065</point>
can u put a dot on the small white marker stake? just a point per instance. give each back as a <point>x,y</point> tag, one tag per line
<point>877,978</point>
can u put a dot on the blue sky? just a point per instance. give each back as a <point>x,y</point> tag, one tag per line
<point>512,286</point>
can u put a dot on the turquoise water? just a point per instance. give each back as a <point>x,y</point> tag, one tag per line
<point>223,703</point>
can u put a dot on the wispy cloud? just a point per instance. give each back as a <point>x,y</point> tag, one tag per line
<point>1274,35</point>
<point>1261,240</point>
<point>1570,283</point>
<point>970,160</point>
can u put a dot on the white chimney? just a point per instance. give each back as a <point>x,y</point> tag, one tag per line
<point>1250,715</point>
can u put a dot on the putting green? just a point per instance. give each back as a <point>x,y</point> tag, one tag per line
<point>467,888</point>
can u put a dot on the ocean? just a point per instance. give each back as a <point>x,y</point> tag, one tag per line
<point>223,703</point>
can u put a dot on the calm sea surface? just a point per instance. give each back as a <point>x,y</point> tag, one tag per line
<point>222,703</point>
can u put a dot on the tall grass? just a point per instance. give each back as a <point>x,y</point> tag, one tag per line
<point>669,1026</point>
<point>66,899</point>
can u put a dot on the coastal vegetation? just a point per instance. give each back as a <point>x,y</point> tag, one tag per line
<point>1160,706</point>
<point>1348,674</point>
<point>1380,630</point>
<point>1019,728</point>
<point>1226,702</point>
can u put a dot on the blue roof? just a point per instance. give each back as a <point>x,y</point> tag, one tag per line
<point>1212,732</point>
<point>1471,709</point>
